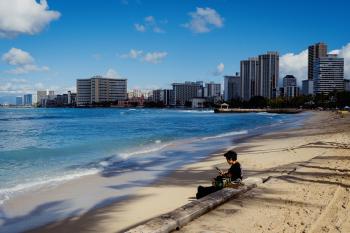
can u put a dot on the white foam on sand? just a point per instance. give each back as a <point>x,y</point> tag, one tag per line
<point>226,134</point>
<point>144,150</point>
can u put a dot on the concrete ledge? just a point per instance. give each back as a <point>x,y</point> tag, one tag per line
<point>179,217</point>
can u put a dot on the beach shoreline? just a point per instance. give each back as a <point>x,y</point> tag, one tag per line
<point>120,214</point>
<point>168,191</point>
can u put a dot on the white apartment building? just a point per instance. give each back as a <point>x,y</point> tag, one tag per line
<point>99,89</point>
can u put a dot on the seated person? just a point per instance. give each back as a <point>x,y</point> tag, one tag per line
<point>231,178</point>
<point>235,171</point>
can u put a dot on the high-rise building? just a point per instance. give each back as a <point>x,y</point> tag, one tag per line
<point>184,92</point>
<point>232,87</point>
<point>290,88</point>
<point>346,84</point>
<point>156,95</point>
<point>314,52</point>
<point>212,90</point>
<point>71,98</point>
<point>162,95</point>
<point>19,100</point>
<point>249,73</point>
<point>28,99</point>
<point>99,89</point>
<point>267,80</point>
<point>308,87</point>
<point>40,96</point>
<point>328,74</point>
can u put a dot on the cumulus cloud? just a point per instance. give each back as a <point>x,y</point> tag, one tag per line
<point>24,17</point>
<point>151,57</point>
<point>294,64</point>
<point>150,23</point>
<point>155,57</point>
<point>111,73</point>
<point>23,62</point>
<point>204,20</point>
<point>219,70</point>
<point>17,57</point>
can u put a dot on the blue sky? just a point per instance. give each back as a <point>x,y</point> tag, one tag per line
<point>155,43</point>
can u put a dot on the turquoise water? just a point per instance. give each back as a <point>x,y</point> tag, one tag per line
<point>43,146</point>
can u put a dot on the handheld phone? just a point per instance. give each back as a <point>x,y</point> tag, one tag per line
<point>218,169</point>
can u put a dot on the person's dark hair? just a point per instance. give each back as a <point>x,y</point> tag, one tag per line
<point>231,154</point>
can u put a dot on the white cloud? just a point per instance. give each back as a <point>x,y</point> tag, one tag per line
<point>204,20</point>
<point>133,54</point>
<point>13,87</point>
<point>219,69</point>
<point>17,57</point>
<point>27,69</point>
<point>150,19</point>
<point>151,57</point>
<point>23,62</point>
<point>140,27</point>
<point>158,30</point>
<point>150,23</point>
<point>24,17</point>
<point>294,64</point>
<point>111,73</point>
<point>155,57</point>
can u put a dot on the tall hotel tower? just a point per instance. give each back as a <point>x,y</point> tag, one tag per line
<point>267,80</point>
<point>249,73</point>
<point>328,74</point>
<point>315,51</point>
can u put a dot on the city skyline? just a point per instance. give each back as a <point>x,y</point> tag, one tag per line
<point>155,44</point>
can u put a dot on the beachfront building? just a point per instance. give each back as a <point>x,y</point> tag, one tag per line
<point>51,95</point>
<point>212,90</point>
<point>314,52</point>
<point>308,87</point>
<point>328,74</point>
<point>346,84</point>
<point>162,95</point>
<point>232,87</point>
<point>19,100</point>
<point>249,73</point>
<point>267,80</point>
<point>28,99</point>
<point>99,89</point>
<point>184,92</point>
<point>72,98</point>
<point>290,88</point>
<point>41,96</point>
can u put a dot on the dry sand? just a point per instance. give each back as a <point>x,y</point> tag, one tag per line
<point>313,198</point>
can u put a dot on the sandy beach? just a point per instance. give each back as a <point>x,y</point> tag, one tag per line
<point>312,198</point>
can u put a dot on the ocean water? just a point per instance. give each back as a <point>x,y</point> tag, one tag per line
<point>44,147</point>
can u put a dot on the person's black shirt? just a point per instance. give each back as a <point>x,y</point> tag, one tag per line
<point>235,171</point>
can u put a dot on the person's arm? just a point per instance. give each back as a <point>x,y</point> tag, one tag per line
<point>226,174</point>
